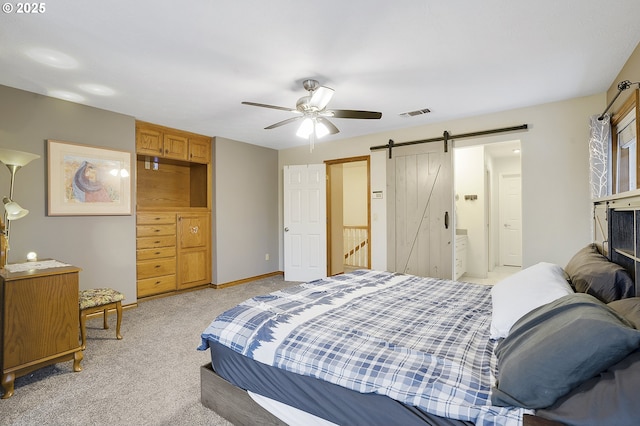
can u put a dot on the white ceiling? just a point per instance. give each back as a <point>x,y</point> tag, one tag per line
<point>190,64</point>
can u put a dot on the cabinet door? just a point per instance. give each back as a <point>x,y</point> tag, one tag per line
<point>194,268</point>
<point>193,231</point>
<point>149,141</point>
<point>42,318</point>
<point>194,250</point>
<point>176,147</point>
<point>199,151</point>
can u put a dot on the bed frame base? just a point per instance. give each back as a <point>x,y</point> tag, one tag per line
<point>231,402</point>
<point>235,404</point>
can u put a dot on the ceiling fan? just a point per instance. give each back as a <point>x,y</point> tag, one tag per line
<point>312,111</point>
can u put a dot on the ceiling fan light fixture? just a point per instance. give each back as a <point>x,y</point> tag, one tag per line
<point>321,130</point>
<point>305,129</point>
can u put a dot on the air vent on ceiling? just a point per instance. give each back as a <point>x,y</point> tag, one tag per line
<point>414,113</point>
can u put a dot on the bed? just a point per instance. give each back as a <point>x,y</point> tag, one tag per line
<point>549,345</point>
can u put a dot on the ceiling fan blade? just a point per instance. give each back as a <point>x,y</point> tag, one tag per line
<point>269,106</point>
<point>283,122</point>
<point>350,113</point>
<point>332,129</point>
<point>320,97</point>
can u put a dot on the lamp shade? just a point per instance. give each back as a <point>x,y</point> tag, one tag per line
<point>306,128</point>
<point>321,130</point>
<point>13,209</point>
<point>11,157</point>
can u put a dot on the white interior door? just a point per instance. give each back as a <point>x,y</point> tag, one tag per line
<point>305,222</point>
<point>511,220</point>
<point>420,209</point>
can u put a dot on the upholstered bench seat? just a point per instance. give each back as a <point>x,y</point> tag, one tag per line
<point>99,299</point>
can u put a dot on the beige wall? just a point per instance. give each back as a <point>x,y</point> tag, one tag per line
<point>103,246</point>
<point>555,172</point>
<point>246,215</point>
<point>355,193</point>
<point>631,72</point>
<point>470,214</point>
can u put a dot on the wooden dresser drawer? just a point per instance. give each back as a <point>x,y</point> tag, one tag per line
<point>152,230</point>
<point>151,286</point>
<point>153,218</point>
<point>156,268</point>
<point>155,242</point>
<point>155,253</point>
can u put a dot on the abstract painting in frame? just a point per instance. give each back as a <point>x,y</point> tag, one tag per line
<point>88,180</point>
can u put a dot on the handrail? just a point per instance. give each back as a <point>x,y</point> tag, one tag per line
<point>356,245</point>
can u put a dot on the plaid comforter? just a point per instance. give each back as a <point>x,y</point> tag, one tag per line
<point>422,341</point>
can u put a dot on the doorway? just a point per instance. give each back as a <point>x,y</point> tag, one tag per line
<point>482,206</point>
<point>348,215</point>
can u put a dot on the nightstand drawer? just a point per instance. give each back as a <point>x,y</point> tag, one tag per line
<point>151,286</point>
<point>156,268</point>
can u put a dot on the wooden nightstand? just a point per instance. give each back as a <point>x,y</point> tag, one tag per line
<point>39,321</point>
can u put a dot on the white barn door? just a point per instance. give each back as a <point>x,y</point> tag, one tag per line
<point>305,222</point>
<point>420,211</point>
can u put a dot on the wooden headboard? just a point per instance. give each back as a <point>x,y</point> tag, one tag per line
<point>617,231</point>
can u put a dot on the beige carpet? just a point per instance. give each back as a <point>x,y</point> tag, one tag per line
<point>151,377</point>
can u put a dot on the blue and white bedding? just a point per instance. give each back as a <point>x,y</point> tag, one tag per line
<point>421,341</point>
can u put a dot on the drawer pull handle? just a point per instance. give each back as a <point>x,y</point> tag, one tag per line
<point>157,252</point>
<point>194,229</point>
<point>157,266</point>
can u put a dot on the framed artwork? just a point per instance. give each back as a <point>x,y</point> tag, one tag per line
<point>87,180</point>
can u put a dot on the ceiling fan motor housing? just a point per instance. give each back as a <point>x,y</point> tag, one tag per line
<point>310,85</point>
<point>304,104</point>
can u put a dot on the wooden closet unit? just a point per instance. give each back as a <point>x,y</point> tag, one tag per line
<point>173,210</point>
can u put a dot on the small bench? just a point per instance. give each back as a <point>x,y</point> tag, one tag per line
<point>99,299</point>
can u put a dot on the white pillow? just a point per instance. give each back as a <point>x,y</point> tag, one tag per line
<point>524,291</point>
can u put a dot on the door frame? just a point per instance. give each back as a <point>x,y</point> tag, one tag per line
<point>329,163</point>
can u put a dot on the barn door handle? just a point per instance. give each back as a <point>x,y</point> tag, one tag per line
<point>446,220</point>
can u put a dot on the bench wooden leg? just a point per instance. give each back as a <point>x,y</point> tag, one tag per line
<point>105,315</point>
<point>118,320</point>
<point>83,329</point>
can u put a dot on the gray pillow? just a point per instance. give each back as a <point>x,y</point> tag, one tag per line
<point>629,309</point>
<point>611,398</point>
<point>590,272</point>
<point>556,347</point>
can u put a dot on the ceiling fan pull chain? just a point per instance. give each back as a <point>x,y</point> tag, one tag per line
<point>312,138</point>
